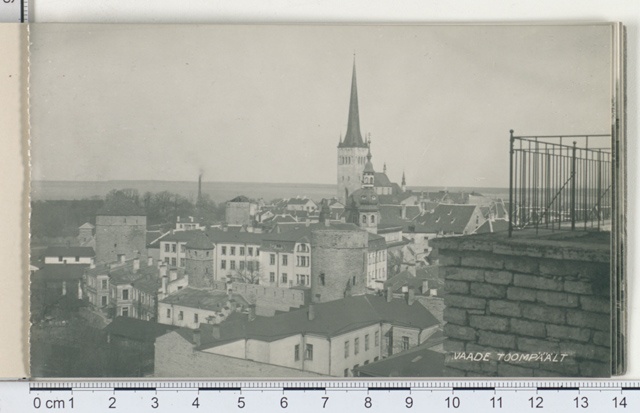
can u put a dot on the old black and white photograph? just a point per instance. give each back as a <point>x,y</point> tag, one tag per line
<point>307,201</point>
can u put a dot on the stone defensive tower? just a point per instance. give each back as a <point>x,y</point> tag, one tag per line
<point>121,231</point>
<point>338,267</point>
<point>199,261</point>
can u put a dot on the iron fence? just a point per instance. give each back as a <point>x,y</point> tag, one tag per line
<point>560,182</point>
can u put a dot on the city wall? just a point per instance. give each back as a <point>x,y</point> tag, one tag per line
<point>516,296</point>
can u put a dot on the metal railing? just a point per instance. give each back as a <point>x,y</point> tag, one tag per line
<point>560,182</point>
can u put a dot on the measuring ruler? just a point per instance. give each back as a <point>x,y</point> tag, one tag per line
<point>356,396</point>
<point>14,11</point>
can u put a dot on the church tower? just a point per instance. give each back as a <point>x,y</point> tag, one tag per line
<point>352,150</point>
<point>362,206</point>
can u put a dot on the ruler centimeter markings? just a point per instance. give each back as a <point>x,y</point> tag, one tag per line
<point>356,396</point>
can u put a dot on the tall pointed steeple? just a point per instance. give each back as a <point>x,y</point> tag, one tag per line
<point>353,137</point>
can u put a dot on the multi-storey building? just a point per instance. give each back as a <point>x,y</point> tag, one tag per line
<point>69,255</point>
<point>331,338</point>
<point>236,254</point>
<point>286,258</point>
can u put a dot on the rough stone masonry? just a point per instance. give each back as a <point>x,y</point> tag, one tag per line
<point>532,305</point>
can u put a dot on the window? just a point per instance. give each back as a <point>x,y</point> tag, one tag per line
<point>125,294</point>
<point>224,251</point>
<point>346,372</point>
<point>233,251</point>
<point>250,251</point>
<point>356,345</point>
<point>346,349</point>
<point>173,247</point>
<point>366,342</point>
<point>296,352</point>
<point>308,354</point>
<point>405,343</point>
<point>241,250</point>
<point>180,316</point>
<point>284,277</point>
<point>375,358</point>
<point>195,318</point>
<point>250,266</point>
<point>241,265</point>
<point>167,260</point>
<point>285,259</point>
<point>167,247</point>
<point>376,339</point>
<point>272,259</point>
<point>125,311</point>
<point>77,259</point>
<point>272,277</point>
<point>104,284</point>
<point>364,219</point>
<point>257,251</point>
<point>104,300</point>
<point>60,259</point>
<point>181,247</point>
<point>302,261</point>
<point>173,262</point>
<point>223,264</point>
<point>366,362</point>
<point>322,278</point>
<point>168,313</point>
<point>373,219</point>
<point>232,265</point>
<point>303,248</point>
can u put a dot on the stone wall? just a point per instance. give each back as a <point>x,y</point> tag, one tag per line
<point>267,299</point>
<point>339,257</point>
<point>527,306</point>
<point>176,357</point>
<point>120,235</point>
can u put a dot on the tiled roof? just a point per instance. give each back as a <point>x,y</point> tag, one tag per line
<point>499,225</point>
<point>376,242</point>
<point>87,225</point>
<point>334,318</point>
<point>182,236</point>
<point>392,214</point>
<point>149,285</point>
<point>54,251</point>
<point>448,218</point>
<point>139,330</point>
<point>419,361</point>
<point>200,242</point>
<point>202,299</point>
<point>298,201</point>
<point>152,236</point>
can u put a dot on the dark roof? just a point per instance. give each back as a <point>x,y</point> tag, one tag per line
<point>139,330</point>
<point>398,281</point>
<point>203,299</point>
<point>364,199</point>
<point>121,206</point>
<point>240,237</point>
<point>334,318</point>
<point>376,242</point>
<point>298,201</point>
<point>499,225</point>
<point>448,218</point>
<point>152,236</point>
<point>392,214</point>
<point>353,137</point>
<point>149,285</point>
<point>87,225</point>
<point>381,179</point>
<point>69,252</point>
<point>419,361</point>
<point>200,242</point>
<point>240,198</point>
<point>60,272</point>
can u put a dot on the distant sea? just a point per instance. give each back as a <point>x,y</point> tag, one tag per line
<point>218,191</point>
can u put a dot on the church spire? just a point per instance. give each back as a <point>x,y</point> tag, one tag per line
<point>353,137</point>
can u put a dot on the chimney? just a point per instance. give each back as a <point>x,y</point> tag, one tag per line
<point>404,211</point>
<point>389,294</point>
<point>122,258</point>
<point>93,264</point>
<point>252,312</point>
<point>165,281</point>
<point>178,218</point>
<point>173,274</point>
<point>197,337</point>
<point>149,261</point>
<point>411,295</point>
<point>136,265</point>
<point>311,312</point>
<point>163,270</point>
<point>425,287</point>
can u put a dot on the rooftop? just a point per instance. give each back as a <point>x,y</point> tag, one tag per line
<point>121,206</point>
<point>419,361</point>
<point>58,251</point>
<point>202,299</point>
<point>332,319</point>
<point>447,218</point>
<point>59,272</point>
<point>138,330</point>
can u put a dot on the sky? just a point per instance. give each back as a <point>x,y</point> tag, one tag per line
<point>269,103</point>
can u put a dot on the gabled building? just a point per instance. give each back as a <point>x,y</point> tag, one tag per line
<point>286,258</point>
<point>301,204</point>
<point>69,255</point>
<point>331,339</point>
<point>452,220</point>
